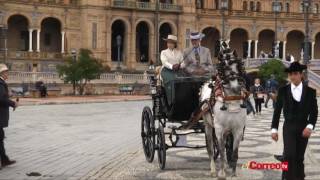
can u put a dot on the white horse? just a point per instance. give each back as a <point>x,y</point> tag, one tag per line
<point>224,117</point>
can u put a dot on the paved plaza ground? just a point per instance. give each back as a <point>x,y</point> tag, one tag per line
<point>102,141</point>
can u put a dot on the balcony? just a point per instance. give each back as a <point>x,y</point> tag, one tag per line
<point>25,55</point>
<point>47,2</point>
<point>261,14</point>
<point>170,7</point>
<point>147,6</point>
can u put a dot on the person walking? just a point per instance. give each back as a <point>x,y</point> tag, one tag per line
<point>299,105</point>
<point>271,89</point>
<point>5,103</point>
<point>258,95</point>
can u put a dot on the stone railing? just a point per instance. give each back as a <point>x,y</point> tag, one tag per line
<point>145,6</point>
<point>313,77</point>
<point>35,55</point>
<point>260,14</point>
<point>107,78</point>
<point>47,2</point>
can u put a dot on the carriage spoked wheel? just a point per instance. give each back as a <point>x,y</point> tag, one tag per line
<point>161,142</point>
<point>148,133</point>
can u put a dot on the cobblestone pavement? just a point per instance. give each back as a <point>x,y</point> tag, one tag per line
<point>102,141</point>
<point>67,141</point>
<point>194,164</point>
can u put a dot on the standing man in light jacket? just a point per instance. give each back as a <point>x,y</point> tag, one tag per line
<point>299,105</point>
<point>5,103</point>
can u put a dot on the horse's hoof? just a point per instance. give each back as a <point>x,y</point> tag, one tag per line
<point>233,174</point>
<point>223,108</point>
<point>222,176</point>
<point>213,174</point>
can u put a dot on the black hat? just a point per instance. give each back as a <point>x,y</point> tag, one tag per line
<point>295,67</point>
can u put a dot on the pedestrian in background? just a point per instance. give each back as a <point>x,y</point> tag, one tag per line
<point>271,90</point>
<point>258,95</point>
<point>5,103</point>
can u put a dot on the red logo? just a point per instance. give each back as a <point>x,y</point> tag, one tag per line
<point>266,166</point>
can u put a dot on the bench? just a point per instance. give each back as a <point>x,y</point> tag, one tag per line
<point>126,89</point>
<point>51,92</point>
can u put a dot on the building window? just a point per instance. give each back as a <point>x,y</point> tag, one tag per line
<point>94,35</point>
<point>216,2</point>
<point>258,7</point>
<point>287,7</point>
<point>245,6</point>
<point>252,6</point>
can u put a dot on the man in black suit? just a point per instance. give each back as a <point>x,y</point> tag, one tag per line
<point>299,105</point>
<point>5,103</point>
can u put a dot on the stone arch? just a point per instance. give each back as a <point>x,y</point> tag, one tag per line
<point>8,16</point>
<point>317,46</point>
<point>172,25</point>
<point>143,41</point>
<point>266,39</point>
<point>49,16</point>
<point>50,34</point>
<point>119,29</point>
<point>18,33</point>
<point>239,41</point>
<point>295,39</point>
<point>211,40</point>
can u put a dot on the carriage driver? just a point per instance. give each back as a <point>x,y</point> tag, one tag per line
<point>197,59</point>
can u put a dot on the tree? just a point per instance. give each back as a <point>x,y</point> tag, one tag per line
<point>80,71</point>
<point>274,67</point>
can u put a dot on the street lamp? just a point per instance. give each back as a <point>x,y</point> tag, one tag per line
<point>119,39</point>
<point>223,7</point>
<point>74,54</point>
<point>4,31</point>
<point>306,49</point>
<point>157,16</point>
<point>276,6</point>
<point>74,58</point>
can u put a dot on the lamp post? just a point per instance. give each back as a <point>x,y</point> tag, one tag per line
<point>306,47</point>
<point>223,7</point>
<point>276,6</point>
<point>119,41</point>
<point>74,58</point>
<point>157,16</point>
<point>4,32</point>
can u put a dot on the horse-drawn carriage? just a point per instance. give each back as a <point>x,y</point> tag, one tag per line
<point>175,111</point>
<point>181,104</point>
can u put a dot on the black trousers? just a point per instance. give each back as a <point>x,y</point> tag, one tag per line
<point>294,148</point>
<point>3,155</point>
<point>258,102</point>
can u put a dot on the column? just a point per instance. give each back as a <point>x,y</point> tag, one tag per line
<point>284,50</point>
<point>256,49</point>
<point>249,48</point>
<point>277,50</point>
<point>30,40</point>
<point>62,41</point>
<point>312,50</point>
<point>38,40</point>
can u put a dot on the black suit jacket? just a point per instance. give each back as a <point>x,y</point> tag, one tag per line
<point>5,103</point>
<point>308,110</point>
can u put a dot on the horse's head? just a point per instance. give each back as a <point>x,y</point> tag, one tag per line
<point>230,71</point>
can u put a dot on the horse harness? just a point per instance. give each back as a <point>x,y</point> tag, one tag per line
<point>217,92</point>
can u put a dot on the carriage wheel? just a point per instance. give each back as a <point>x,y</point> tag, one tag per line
<point>148,134</point>
<point>161,148</point>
